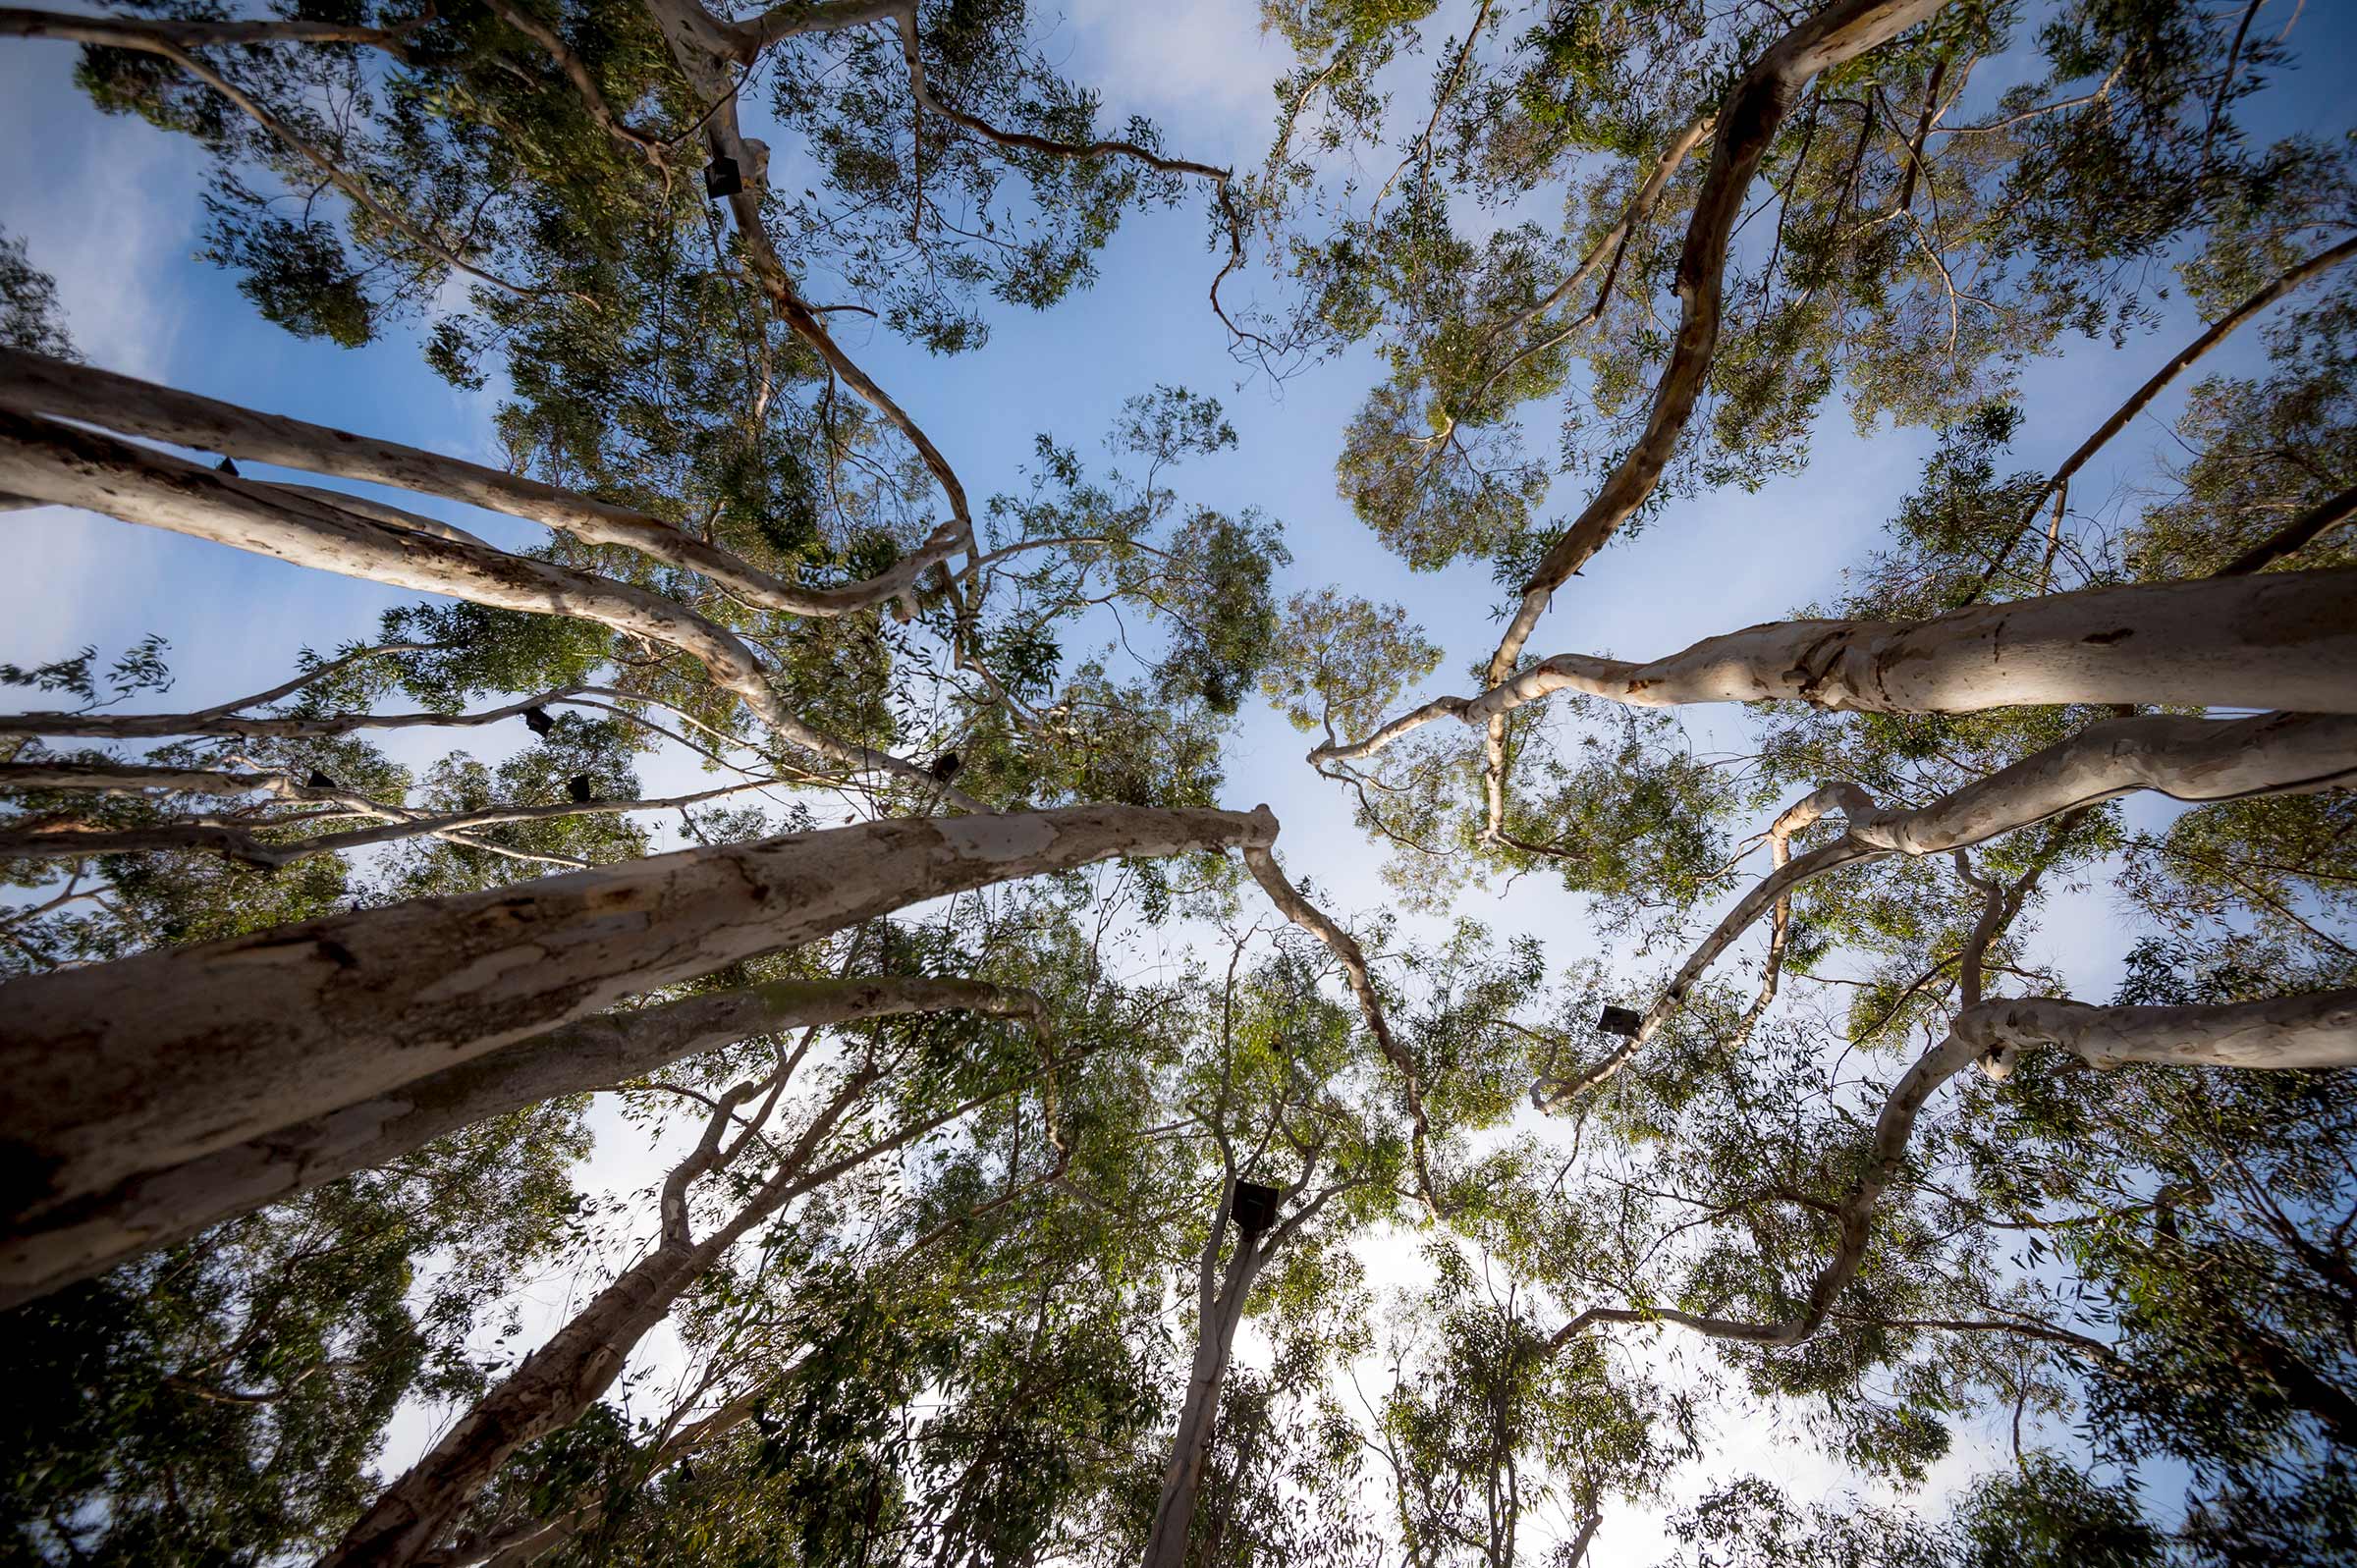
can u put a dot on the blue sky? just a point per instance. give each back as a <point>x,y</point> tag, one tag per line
<point>112,208</point>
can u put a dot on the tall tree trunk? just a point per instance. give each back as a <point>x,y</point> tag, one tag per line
<point>159,1208</point>
<point>71,466</point>
<point>1190,1449</point>
<point>2317,1030</point>
<point>2285,639</point>
<point>123,1070</point>
<point>32,384</point>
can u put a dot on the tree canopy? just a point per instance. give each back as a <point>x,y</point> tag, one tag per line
<point>757,1012</point>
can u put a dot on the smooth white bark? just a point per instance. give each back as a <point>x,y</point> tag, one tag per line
<point>2281,1033</point>
<point>70,466</point>
<point>2281,640</point>
<point>159,1208</point>
<point>119,1070</point>
<point>35,385</point>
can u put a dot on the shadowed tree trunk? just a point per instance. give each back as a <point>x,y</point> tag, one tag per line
<point>1219,1308</point>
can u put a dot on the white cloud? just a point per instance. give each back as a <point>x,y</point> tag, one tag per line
<point>1201,72</point>
<point>104,204</point>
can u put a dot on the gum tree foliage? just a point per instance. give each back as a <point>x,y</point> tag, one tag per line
<point>978,1301</point>
<point>2010,1272</point>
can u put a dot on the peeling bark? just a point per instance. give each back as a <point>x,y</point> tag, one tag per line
<point>125,1068</point>
<point>162,1207</point>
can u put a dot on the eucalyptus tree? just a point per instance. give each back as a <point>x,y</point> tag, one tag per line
<point>2011,662</point>
<point>757,553</point>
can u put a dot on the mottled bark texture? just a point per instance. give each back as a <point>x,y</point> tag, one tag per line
<point>118,1070</point>
<point>158,1208</point>
<point>2285,641</point>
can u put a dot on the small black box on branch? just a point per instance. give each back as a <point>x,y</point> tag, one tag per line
<point>1621,1021</point>
<point>578,787</point>
<point>538,720</point>
<point>720,177</point>
<point>1255,1208</point>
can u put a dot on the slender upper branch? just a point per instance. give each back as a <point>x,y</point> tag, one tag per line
<point>2183,758</point>
<point>1747,123</point>
<point>2058,484</point>
<point>173,41</point>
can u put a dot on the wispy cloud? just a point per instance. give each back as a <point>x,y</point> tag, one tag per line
<point>104,204</point>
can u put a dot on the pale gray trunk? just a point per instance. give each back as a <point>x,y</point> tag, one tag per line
<point>2186,759</point>
<point>1190,1448</point>
<point>2318,1030</point>
<point>2285,640</point>
<point>127,1068</point>
<point>76,468</point>
<point>32,384</point>
<point>158,1208</point>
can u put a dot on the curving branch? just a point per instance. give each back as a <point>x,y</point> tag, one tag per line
<point>125,725</point>
<point>172,41</point>
<point>65,465</point>
<point>1613,243</point>
<point>162,1207</point>
<point>119,1070</point>
<point>2285,639</point>
<point>1968,1040</point>
<point>36,385</point>
<point>577,72</point>
<point>1353,959</point>
<point>2185,759</point>
<point>1747,123</point>
<point>2059,484</point>
<point>552,1386</point>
